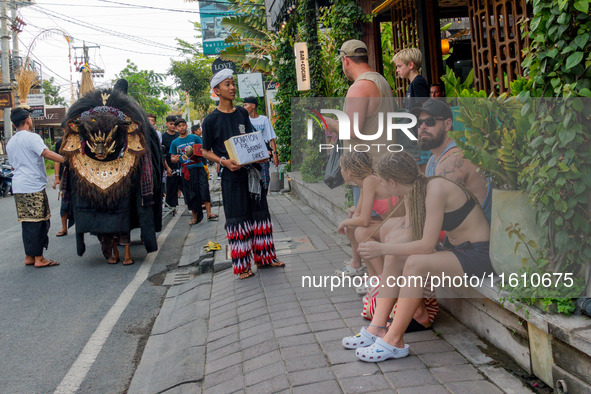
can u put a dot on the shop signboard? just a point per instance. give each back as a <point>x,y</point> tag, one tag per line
<point>214,34</point>
<point>36,103</point>
<point>250,85</point>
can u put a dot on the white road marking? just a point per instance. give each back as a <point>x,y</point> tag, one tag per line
<point>78,371</point>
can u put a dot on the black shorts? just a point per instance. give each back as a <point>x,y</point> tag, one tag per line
<point>473,257</point>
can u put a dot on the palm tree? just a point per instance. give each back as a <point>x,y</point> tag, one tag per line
<point>251,45</point>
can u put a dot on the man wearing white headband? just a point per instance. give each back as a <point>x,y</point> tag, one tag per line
<point>248,221</point>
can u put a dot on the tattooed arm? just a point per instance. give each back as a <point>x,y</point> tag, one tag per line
<point>453,167</point>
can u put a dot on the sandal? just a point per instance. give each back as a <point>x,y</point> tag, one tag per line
<point>113,260</point>
<point>61,233</point>
<point>246,274</point>
<point>274,264</point>
<point>213,216</point>
<point>350,271</point>
<point>363,339</point>
<point>380,351</point>
<point>50,264</point>
<point>128,262</point>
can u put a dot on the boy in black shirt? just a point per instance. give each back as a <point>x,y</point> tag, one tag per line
<point>248,221</point>
<point>173,178</point>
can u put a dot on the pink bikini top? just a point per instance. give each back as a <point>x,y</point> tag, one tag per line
<point>383,206</point>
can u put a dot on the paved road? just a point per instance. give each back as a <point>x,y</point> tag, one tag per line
<point>49,315</point>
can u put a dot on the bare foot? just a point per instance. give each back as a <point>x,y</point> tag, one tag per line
<point>42,263</point>
<point>421,316</point>
<point>128,261</point>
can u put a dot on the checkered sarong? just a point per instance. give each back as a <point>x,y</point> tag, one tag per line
<point>265,174</point>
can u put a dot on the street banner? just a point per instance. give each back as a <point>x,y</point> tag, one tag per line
<point>302,66</point>
<point>37,104</point>
<point>214,34</point>
<point>250,85</point>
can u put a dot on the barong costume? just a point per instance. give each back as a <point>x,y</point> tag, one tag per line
<point>114,175</point>
<point>248,222</point>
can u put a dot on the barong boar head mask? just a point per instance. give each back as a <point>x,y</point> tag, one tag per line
<point>104,142</point>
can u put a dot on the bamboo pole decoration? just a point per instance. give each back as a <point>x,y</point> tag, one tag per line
<point>86,84</point>
<point>26,78</point>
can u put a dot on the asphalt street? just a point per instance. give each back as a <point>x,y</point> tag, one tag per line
<point>48,315</point>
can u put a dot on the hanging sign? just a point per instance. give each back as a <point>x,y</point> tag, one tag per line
<point>302,66</point>
<point>219,65</point>
<point>250,84</point>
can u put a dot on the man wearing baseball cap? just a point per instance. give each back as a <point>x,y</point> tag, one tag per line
<point>369,97</point>
<point>435,120</point>
<point>26,151</point>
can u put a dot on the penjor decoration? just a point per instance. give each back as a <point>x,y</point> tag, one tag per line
<point>114,164</point>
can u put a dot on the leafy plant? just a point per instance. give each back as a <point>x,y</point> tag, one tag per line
<point>556,292</point>
<point>147,87</point>
<point>494,138</point>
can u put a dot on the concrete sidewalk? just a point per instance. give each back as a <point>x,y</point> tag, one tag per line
<point>217,334</point>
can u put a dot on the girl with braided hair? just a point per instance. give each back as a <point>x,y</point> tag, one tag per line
<point>432,204</point>
<point>374,201</point>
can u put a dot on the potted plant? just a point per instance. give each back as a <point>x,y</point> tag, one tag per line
<point>492,133</point>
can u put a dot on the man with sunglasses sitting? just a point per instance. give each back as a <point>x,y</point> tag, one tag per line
<point>434,121</point>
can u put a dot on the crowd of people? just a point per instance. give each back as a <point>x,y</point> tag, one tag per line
<point>420,212</point>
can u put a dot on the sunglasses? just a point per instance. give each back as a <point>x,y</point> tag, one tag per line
<point>429,122</point>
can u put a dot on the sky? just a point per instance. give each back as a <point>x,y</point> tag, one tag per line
<point>124,29</point>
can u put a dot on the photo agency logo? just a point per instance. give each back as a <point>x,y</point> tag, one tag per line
<point>352,139</point>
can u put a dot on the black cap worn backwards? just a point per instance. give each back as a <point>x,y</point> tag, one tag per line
<point>19,114</point>
<point>433,107</point>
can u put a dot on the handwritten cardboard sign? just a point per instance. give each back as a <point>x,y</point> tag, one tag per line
<point>247,148</point>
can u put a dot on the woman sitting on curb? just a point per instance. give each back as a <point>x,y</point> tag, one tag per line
<point>357,169</point>
<point>433,204</point>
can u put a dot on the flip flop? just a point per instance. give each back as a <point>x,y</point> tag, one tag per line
<point>128,262</point>
<point>112,261</point>
<point>61,234</point>
<point>50,264</point>
<point>213,216</point>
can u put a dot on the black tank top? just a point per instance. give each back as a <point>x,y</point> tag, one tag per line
<point>451,220</point>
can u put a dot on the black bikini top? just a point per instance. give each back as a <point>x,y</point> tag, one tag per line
<point>451,220</point>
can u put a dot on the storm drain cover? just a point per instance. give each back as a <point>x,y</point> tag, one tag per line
<point>177,278</point>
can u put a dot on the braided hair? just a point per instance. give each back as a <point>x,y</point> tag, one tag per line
<point>359,164</point>
<point>402,168</point>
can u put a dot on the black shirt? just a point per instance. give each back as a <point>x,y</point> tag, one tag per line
<point>166,141</point>
<point>417,89</point>
<point>219,126</point>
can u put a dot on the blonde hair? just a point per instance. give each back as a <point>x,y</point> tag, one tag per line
<point>359,164</point>
<point>410,55</point>
<point>402,168</point>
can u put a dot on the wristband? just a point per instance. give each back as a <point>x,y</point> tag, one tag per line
<point>275,152</point>
<point>222,158</point>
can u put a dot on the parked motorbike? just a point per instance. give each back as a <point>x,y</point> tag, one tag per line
<point>5,179</point>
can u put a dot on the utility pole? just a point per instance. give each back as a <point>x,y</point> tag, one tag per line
<point>5,37</point>
<point>85,49</point>
<point>13,8</point>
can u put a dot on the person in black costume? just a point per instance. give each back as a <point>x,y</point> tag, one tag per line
<point>114,174</point>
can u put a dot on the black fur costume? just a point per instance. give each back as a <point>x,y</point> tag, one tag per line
<point>114,168</point>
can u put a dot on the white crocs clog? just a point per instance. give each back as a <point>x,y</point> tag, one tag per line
<point>380,350</point>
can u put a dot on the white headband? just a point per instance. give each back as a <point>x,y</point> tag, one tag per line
<point>220,76</point>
